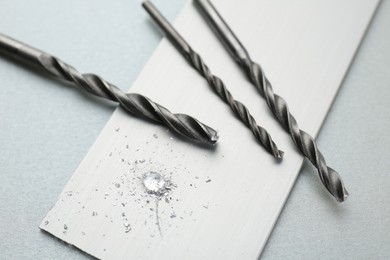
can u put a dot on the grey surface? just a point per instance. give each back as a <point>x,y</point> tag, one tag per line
<point>47,128</point>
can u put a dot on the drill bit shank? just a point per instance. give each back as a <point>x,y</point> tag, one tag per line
<point>306,144</point>
<point>240,110</point>
<point>135,104</point>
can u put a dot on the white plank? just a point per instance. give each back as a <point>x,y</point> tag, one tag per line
<point>305,47</point>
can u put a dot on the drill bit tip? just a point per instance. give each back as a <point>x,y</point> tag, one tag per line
<point>343,198</point>
<point>279,154</point>
<point>214,137</point>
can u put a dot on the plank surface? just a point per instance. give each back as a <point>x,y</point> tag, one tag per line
<point>227,199</point>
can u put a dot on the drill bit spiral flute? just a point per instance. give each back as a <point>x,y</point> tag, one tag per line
<point>135,104</point>
<point>215,83</point>
<point>306,144</point>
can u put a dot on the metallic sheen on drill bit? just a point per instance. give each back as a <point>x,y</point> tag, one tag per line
<point>306,144</point>
<point>136,104</point>
<point>216,83</point>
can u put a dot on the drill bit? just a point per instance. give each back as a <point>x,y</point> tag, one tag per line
<point>240,110</point>
<point>135,104</point>
<point>306,144</point>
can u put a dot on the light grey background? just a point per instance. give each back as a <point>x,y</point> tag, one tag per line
<point>47,127</point>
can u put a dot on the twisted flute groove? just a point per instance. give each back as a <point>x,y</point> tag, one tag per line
<point>239,109</point>
<point>306,144</point>
<point>136,104</point>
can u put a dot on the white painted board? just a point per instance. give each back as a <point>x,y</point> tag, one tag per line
<point>228,198</point>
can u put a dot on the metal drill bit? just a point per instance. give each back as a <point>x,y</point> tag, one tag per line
<point>306,144</point>
<point>136,104</point>
<point>216,83</point>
